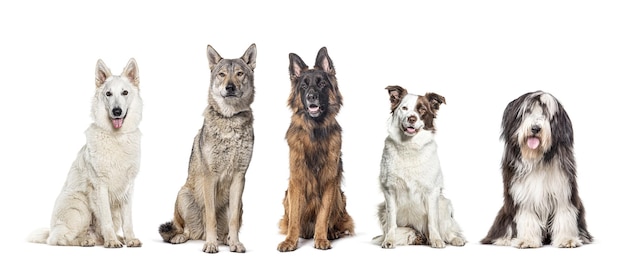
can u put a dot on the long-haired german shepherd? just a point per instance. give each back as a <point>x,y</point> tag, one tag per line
<point>315,205</point>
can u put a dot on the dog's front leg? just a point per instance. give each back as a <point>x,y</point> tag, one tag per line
<point>528,229</point>
<point>323,215</point>
<point>433,220</point>
<point>127,222</point>
<point>564,228</point>
<point>390,221</point>
<point>235,206</point>
<point>102,210</point>
<point>295,197</point>
<point>209,188</point>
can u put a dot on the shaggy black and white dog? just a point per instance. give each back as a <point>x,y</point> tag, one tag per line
<point>541,202</point>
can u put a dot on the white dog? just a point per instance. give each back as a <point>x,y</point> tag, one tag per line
<point>415,211</point>
<point>96,197</point>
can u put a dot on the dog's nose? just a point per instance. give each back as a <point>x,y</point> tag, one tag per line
<point>535,129</point>
<point>117,112</point>
<point>311,96</point>
<point>230,88</point>
<point>412,119</point>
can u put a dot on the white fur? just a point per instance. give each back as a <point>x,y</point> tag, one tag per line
<point>411,180</point>
<point>95,201</point>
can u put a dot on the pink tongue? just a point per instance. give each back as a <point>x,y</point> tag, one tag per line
<point>532,143</point>
<point>117,123</point>
<point>314,109</point>
<point>410,130</point>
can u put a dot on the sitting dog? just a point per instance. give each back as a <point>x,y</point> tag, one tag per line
<point>95,202</point>
<point>209,206</point>
<point>415,211</point>
<point>541,202</point>
<point>315,205</point>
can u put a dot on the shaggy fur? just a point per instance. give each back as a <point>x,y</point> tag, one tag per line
<point>541,202</point>
<point>315,205</point>
<point>95,201</point>
<point>209,204</point>
<point>415,211</point>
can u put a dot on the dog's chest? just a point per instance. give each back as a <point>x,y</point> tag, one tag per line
<point>412,166</point>
<point>544,187</point>
<point>228,142</point>
<point>115,158</point>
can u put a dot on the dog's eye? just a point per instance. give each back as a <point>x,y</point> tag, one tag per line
<point>322,84</point>
<point>239,74</point>
<point>125,92</point>
<point>404,108</point>
<point>222,74</point>
<point>108,93</point>
<point>303,86</point>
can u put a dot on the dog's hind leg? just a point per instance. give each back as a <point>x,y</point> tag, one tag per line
<point>71,221</point>
<point>448,226</point>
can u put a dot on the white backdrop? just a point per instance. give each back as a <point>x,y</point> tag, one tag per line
<point>478,54</point>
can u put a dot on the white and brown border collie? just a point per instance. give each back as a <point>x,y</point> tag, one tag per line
<point>541,202</point>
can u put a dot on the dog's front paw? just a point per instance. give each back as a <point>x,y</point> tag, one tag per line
<point>388,243</point>
<point>567,242</point>
<point>237,247</point>
<point>322,244</point>
<point>437,243</point>
<point>133,243</point>
<point>179,238</point>
<point>113,244</point>
<point>525,243</point>
<point>88,242</point>
<point>210,247</point>
<point>287,246</point>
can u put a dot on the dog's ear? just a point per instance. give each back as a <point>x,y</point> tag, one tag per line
<point>102,73</point>
<point>435,101</point>
<point>296,66</point>
<point>324,62</point>
<point>250,56</point>
<point>213,56</point>
<point>396,93</point>
<point>131,71</point>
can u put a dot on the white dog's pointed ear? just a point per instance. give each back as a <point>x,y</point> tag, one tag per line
<point>296,66</point>
<point>396,93</point>
<point>213,56</point>
<point>324,62</point>
<point>102,73</point>
<point>250,56</point>
<point>131,71</point>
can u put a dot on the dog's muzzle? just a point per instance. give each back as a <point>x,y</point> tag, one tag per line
<point>313,104</point>
<point>117,120</point>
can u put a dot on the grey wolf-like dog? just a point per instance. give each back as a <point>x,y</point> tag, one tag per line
<point>209,205</point>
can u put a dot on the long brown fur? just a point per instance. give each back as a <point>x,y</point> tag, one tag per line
<point>315,205</point>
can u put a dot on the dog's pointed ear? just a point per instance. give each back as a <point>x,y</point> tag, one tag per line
<point>102,73</point>
<point>435,100</point>
<point>296,66</point>
<point>213,56</point>
<point>131,71</point>
<point>250,56</point>
<point>324,62</point>
<point>396,93</point>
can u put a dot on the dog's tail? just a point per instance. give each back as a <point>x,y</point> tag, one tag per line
<point>167,231</point>
<point>39,236</point>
